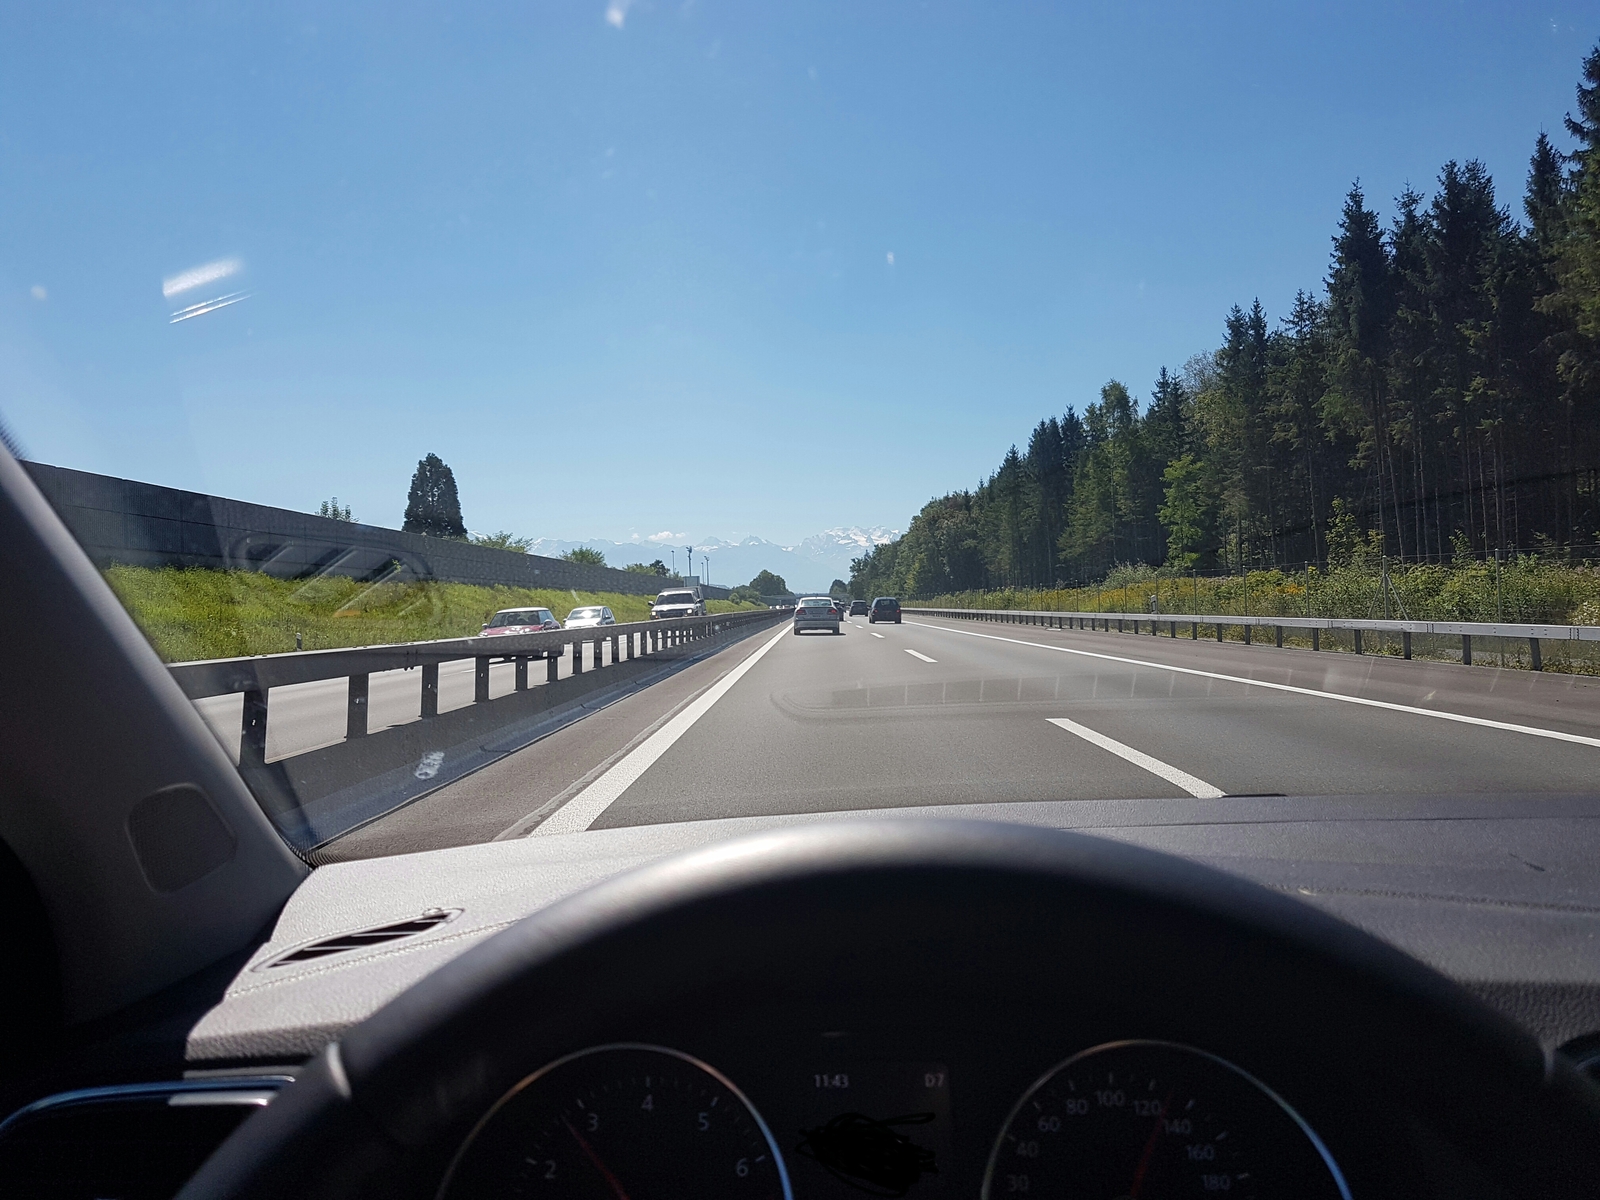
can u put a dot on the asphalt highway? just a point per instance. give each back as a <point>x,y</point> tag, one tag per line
<point>936,712</point>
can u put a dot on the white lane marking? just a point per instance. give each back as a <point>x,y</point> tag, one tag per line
<point>875,633</point>
<point>923,657</point>
<point>581,811</point>
<point>1198,788</point>
<point>1460,718</point>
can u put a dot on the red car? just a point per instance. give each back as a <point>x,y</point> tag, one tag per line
<point>521,620</point>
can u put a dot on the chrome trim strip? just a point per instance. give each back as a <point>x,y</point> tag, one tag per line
<point>251,1090</point>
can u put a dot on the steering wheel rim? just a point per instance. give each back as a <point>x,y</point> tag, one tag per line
<point>750,921</point>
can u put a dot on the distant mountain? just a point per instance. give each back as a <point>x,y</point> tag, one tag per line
<point>836,545</point>
<point>810,566</point>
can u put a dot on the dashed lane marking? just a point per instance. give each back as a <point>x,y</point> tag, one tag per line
<point>1438,714</point>
<point>1198,788</point>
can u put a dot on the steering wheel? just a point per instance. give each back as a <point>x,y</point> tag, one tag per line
<point>969,919</point>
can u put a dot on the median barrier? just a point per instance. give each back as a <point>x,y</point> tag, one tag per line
<point>317,795</point>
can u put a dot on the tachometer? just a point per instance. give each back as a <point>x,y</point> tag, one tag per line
<point>622,1122</point>
<point>1139,1120</point>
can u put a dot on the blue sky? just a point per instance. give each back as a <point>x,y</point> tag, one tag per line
<point>628,268</point>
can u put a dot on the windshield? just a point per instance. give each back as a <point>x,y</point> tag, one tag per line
<point>1219,396</point>
<point>516,618</point>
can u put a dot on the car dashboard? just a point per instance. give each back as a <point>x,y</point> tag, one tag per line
<point>916,1007</point>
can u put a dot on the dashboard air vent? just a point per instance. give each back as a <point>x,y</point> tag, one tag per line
<point>361,939</point>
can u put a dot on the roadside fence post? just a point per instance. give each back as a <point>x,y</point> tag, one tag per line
<point>253,729</point>
<point>1405,643</point>
<point>355,719</point>
<point>1466,649</point>
<point>1533,651</point>
<point>430,689</point>
<point>480,680</point>
<point>522,672</point>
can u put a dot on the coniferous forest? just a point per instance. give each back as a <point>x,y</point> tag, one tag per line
<point>1439,394</point>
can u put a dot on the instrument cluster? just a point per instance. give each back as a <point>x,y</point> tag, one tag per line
<point>1134,1118</point>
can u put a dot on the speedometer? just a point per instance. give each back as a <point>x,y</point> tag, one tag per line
<point>620,1121</point>
<point>1139,1120</point>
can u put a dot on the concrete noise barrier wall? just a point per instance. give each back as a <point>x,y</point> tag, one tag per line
<point>145,525</point>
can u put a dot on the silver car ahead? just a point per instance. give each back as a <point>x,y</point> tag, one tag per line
<point>589,618</point>
<point>816,612</point>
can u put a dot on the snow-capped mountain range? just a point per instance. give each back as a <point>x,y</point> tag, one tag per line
<point>810,565</point>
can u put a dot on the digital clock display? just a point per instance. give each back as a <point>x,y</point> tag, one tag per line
<point>864,1127</point>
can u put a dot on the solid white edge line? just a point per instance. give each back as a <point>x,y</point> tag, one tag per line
<point>1460,718</point>
<point>583,809</point>
<point>1196,787</point>
<point>919,654</point>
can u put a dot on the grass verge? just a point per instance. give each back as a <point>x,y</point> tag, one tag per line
<point>190,613</point>
<point>1527,589</point>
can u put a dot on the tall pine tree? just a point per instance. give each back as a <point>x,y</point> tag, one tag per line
<point>432,506</point>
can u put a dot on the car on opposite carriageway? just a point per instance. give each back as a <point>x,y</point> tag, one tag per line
<point>590,617</point>
<point>509,621</point>
<point>678,602</point>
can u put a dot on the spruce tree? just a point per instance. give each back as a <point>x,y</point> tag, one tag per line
<point>1543,200</point>
<point>433,508</point>
<point>1585,127</point>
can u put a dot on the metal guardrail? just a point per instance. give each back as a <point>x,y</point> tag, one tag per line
<point>1465,630</point>
<point>257,675</point>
